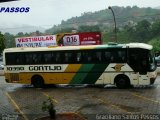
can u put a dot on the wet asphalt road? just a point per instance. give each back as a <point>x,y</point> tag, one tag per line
<point>23,102</point>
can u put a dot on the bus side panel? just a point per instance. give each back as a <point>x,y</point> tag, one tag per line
<point>53,78</point>
<point>63,77</point>
<point>70,72</point>
<point>89,74</point>
<point>7,77</point>
<point>107,78</point>
<point>25,77</point>
<point>133,78</point>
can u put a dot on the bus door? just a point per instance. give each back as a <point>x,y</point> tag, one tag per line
<point>143,65</point>
<point>138,61</point>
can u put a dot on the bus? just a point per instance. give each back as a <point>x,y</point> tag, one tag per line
<point>123,65</point>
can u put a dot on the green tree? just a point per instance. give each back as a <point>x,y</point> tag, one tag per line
<point>129,33</point>
<point>9,40</point>
<point>86,28</point>
<point>156,28</point>
<point>2,45</point>
<point>155,42</point>
<point>143,31</point>
<point>20,34</point>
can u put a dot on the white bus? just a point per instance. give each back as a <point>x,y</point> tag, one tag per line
<point>117,64</point>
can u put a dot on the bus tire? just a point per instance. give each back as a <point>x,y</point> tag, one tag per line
<point>37,81</point>
<point>122,82</point>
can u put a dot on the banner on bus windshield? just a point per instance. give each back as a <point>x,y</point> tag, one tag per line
<point>36,41</point>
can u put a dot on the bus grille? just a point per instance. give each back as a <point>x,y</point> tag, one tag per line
<point>14,77</point>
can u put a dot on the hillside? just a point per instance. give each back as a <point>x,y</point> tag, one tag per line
<point>22,28</point>
<point>123,15</point>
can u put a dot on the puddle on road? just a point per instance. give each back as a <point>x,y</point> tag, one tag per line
<point>129,108</point>
<point>12,88</point>
<point>88,106</point>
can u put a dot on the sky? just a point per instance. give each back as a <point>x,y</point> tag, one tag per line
<point>46,13</point>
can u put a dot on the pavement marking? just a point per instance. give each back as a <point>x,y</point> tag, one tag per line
<point>113,105</point>
<point>17,107</point>
<point>80,115</point>
<point>54,100</point>
<point>145,98</point>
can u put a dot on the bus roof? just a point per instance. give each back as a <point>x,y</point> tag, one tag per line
<point>57,48</point>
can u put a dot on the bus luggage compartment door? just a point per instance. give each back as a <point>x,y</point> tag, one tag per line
<point>143,80</point>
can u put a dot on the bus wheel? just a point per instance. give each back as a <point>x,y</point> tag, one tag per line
<point>37,81</point>
<point>122,82</point>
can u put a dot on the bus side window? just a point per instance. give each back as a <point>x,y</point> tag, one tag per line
<point>134,63</point>
<point>67,57</point>
<point>40,58</point>
<point>28,58</point>
<point>86,57</point>
<point>48,58</point>
<point>59,57</point>
<point>121,56</point>
<point>19,59</point>
<point>9,58</point>
<point>89,57</point>
<point>78,57</point>
<point>107,56</point>
<point>97,57</point>
<point>35,59</point>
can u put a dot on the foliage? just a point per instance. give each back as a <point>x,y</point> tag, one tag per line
<point>9,40</point>
<point>2,44</point>
<point>156,28</point>
<point>156,44</point>
<point>49,107</point>
<point>105,17</point>
<point>143,31</point>
<point>94,28</point>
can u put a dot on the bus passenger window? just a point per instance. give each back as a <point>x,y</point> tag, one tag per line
<point>97,57</point>
<point>59,58</point>
<point>35,59</point>
<point>107,57</point>
<point>89,57</point>
<point>47,58</point>
<point>78,57</point>
<point>29,58</point>
<point>86,57</point>
<point>66,57</point>
<point>121,56</point>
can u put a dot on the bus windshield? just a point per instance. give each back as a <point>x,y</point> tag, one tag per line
<point>152,62</point>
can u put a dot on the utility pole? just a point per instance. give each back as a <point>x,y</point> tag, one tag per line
<point>115,29</point>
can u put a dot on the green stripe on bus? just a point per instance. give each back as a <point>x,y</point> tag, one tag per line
<point>94,74</point>
<point>81,73</point>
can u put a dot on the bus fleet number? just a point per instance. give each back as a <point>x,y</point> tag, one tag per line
<point>71,40</point>
<point>15,68</point>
